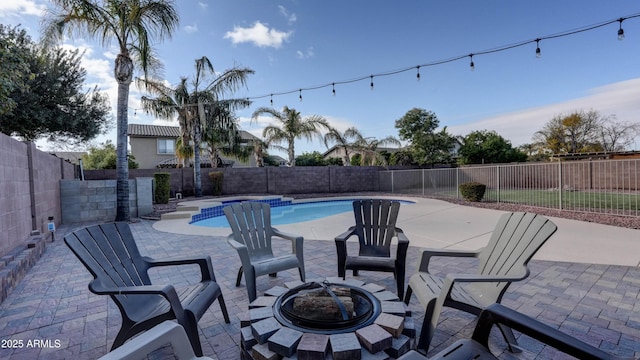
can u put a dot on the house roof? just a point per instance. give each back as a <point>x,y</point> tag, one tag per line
<point>142,130</point>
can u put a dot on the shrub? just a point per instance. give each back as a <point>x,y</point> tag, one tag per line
<point>216,182</point>
<point>163,186</point>
<point>473,191</point>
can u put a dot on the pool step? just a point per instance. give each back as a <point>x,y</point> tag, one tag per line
<point>177,215</point>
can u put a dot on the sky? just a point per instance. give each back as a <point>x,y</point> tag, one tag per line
<point>297,44</point>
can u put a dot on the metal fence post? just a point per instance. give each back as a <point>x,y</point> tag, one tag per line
<point>457,183</point>
<point>498,183</point>
<point>560,184</point>
<point>423,182</point>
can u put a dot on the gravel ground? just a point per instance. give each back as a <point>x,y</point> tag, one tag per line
<point>632,222</point>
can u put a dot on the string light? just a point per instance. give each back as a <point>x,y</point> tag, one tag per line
<point>300,96</point>
<point>271,100</point>
<point>469,55</point>
<point>620,31</point>
<point>333,90</point>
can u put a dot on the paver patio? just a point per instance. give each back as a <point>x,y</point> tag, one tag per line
<point>595,303</point>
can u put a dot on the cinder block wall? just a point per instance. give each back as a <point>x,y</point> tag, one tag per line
<point>15,202</point>
<point>29,191</point>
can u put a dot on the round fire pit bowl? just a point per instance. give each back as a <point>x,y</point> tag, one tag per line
<point>366,321</point>
<point>366,308</point>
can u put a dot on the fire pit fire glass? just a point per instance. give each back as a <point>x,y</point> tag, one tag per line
<point>326,308</point>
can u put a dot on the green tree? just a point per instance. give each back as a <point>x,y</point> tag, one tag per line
<point>369,151</point>
<point>15,47</point>
<point>134,25</point>
<point>573,133</point>
<point>55,104</point>
<point>487,147</point>
<point>342,141</point>
<point>199,108</point>
<point>104,157</point>
<point>292,126</point>
<point>427,147</point>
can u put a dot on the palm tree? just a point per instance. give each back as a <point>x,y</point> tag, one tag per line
<point>135,25</point>
<point>199,110</point>
<point>293,126</point>
<point>342,141</point>
<point>222,135</point>
<point>369,149</point>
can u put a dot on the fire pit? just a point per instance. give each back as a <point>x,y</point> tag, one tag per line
<point>331,319</point>
<point>326,308</point>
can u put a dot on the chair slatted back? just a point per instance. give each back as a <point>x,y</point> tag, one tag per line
<point>375,225</point>
<point>515,239</point>
<point>110,254</point>
<point>250,223</point>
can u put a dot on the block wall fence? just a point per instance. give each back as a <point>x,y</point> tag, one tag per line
<point>29,191</point>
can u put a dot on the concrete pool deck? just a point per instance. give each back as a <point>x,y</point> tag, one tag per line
<point>431,223</point>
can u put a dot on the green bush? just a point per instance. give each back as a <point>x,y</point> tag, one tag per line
<point>163,186</point>
<point>473,191</point>
<point>216,182</point>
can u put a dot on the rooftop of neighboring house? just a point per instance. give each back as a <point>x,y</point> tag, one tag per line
<point>143,130</point>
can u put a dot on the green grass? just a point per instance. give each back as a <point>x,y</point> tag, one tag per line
<point>571,200</point>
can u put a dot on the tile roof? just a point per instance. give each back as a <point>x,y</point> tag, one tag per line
<point>140,130</point>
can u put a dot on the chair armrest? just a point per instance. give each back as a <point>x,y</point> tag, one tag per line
<point>284,235</point>
<point>167,291</point>
<point>499,314</point>
<point>451,279</point>
<point>347,234</point>
<point>427,254</point>
<point>154,339</point>
<point>242,250</point>
<point>206,268</point>
<point>402,238</point>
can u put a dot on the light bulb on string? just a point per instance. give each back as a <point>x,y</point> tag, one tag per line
<point>418,73</point>
<point>333,88</point>
<point>371,82</point>
<point>538,53</point>
<point>472,66</point>
<point>620,30</point>
<point>300,96</point>
<point>271,100</point>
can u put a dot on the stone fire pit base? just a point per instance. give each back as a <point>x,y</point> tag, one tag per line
<point>391,335</point>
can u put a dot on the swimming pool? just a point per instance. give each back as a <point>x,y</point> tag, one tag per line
<point>287,213</point>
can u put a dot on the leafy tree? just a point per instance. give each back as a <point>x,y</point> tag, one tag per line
<point>487,147</point>
<point>292,126</point>
<point>401,157</point>
<point>55,104</point>
<point>342,141</point>
<point>427,147</point>
<point>573,133</point>
<point>104,157</point>
<point>316,159</point>
<point>356,160</point>
<point>369,152</point>
<point>134,24</point>
<point>200,109</point>
<point>15,47</point>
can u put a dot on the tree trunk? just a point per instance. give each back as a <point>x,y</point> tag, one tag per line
<point>292,156</point>
<point>196,161</point>
<point>123,72</point>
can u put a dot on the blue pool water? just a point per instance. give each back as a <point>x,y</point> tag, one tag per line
<point>291,213</point>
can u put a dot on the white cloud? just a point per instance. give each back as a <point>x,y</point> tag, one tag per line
<point>190,29</point>
<point>21,7</point>
<point>619,99</point>
<point>203,5</point>
<point>305,54</point>
<point>259,34</point>
<point>291,18</point>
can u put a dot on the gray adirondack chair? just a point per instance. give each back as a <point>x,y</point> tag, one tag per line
<point>514,241</point>
<point>375,228</point>
<point>252,235</point>
<point>110,254</point>
<point>478,346</point>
